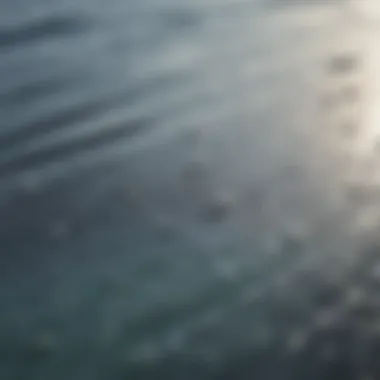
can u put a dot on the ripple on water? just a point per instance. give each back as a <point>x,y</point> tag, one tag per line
<point>54,27</point>
<point>179,312</point>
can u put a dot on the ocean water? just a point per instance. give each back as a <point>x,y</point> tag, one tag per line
<point>189,190</point>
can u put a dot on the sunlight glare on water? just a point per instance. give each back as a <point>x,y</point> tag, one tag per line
<point>187,190</point>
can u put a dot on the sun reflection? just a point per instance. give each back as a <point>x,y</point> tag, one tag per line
<point>366,15</point>
<point>367,8</point>
<point>372,111</point>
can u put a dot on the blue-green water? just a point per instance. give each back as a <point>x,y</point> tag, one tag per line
<point>182,194</point>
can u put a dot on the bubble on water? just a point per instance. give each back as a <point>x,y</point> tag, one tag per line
<point>294,238</point>
<point>297,340</point>
<point>354,295</point>
<point>263,336</point>
<point>175,340</point>
<point>227,269</point>
<point>350,94</point>
<point>218,208</point>
<point>252,295</point>
<point>273,244</point>
<point>191,137</point>
<point>194,171</point>
<point>349,129</point>
<point>356,192</point>
<point>177,19</point>
<point>328,352</point>
<point>30,182</point>
<point>343,63</point>
<point>145,352</point>
<point>327,318</point>
<point>367,219</point>
<point>59,229</point>
<point>46,341</point>
<point>375,271</point>
<point>165,227</point>
<point>298,230</point>
<point>329,101</point>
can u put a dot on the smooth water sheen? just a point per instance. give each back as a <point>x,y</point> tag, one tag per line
<point>188,190</point>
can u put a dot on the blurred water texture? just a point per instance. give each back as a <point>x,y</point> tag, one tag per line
<point>188,190</point>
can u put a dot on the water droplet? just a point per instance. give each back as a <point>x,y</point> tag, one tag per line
<point>144,352</point>
<point>165,228</point>
<point>348,129</point>
<point>326,318</point>
<point>328,352</point>
<point>217,209</point>
<point>263,336</point>
<point>194,171</point>
<point>328,101</point>
<point>350,94</point>
<point>226,269</point>
<point>46,342</point>
<point>297,340</point>
<point>343,63</point>
<point>59,229</point>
